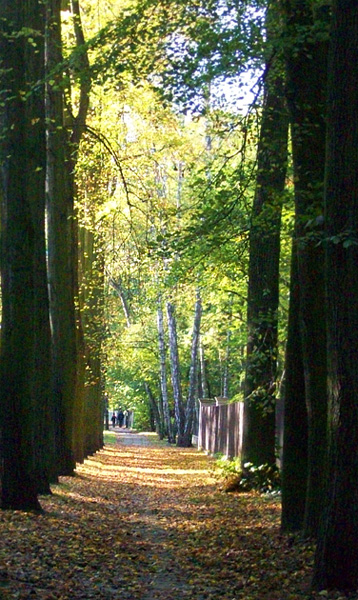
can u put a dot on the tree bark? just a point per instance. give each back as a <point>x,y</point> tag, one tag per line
<point>91,305</point>
<point>79,124</point>
<point>337,548</point>
<point>60,215</point>
<point>306,66</point>
<point>261,359</point>
<point>163,374</point>
<point>175,373</point>
<point>190,403</point>
<point>68,343</point>
<point>295,430</point>
<point>25,379</point>
<point>225,386</point>
<point>203,382</point>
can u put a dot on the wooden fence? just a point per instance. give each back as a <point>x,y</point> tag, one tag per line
<point>220,427</point>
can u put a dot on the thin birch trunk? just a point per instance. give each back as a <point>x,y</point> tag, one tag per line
<point>175,373</point>
<point>190,404</point>
<point>204,385</point>
<point>117,286</point>
<point>226,366</point>
<point>163,373</point>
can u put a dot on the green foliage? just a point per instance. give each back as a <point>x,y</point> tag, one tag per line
<point>247,477</point>
<point>109,438</point>
<point>180,47</point>
<point>170,195</point>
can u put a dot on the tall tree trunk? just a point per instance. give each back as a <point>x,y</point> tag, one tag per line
<point>337,549</point>
<point>60,213</point>
<point>163,374</point>
<point>68,344</point>
<point>175,373</point>
<point>306,62</point>
<point>294,456</point>
<point>225,368</point>
<point>36,159</point>
<point>25,380</point>
<point>261,362</point>
<point>79,124</point>
<point>91,305</point>
<point>203,381</point>
<point>190,403</point>
<point>225,386</point>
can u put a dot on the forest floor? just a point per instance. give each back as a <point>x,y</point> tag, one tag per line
<point>145,521</point>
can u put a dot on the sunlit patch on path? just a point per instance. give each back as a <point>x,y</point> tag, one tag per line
<point>145,521</point>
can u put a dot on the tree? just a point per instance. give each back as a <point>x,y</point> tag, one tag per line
<point>259,445</point>
<point>60,260</point>
<point>306,44</point>
<point>65,131</point>
<point>193,372</point>
<point>163,373</point>
<point>175,373</point>
<point>295,429</point>
<point>91,297</point>
<point>337,549</point>
<point>25,334</point>
<point>184,414</point>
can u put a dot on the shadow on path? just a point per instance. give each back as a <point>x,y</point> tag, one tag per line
<point>142,520</point>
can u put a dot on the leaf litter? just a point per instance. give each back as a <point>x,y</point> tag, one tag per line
<point>142,520</point>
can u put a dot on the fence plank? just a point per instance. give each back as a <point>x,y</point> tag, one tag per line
<point>220,428</point>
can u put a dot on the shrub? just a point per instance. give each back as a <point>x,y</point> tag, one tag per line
<point>263,478</point>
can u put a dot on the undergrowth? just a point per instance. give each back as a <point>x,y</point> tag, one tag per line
<point>247,477</point>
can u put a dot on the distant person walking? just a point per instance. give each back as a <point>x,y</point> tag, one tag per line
<point>120,418</point>
<point>126,419</point>
<point>113,419</point>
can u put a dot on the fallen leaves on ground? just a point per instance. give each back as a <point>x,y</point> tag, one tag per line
<point>145,521</point>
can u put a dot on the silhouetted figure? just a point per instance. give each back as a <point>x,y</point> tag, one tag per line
<point>120,417</point>
<point>113,419</point>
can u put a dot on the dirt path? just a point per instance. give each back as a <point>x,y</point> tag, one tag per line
<point>145,521</point>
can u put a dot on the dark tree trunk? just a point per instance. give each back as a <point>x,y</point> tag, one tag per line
<point>261,361</point>
<point>60,213</point>
<point>25,350</point>
<point>79,124</point>
<point>294,457</point>
<point>36,156</point>
<point>306,62</point>
<point>91,304</point>
<point>337,550</point>
<point>68,343</point>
